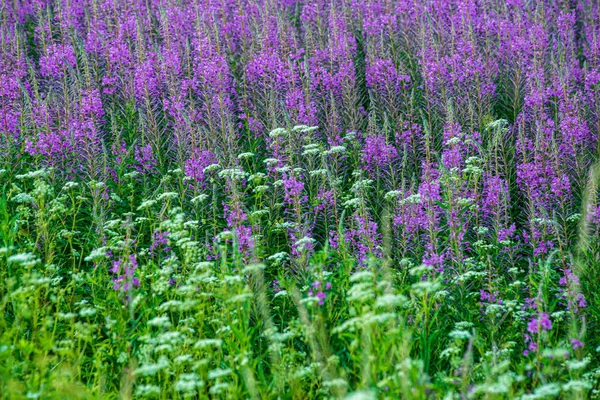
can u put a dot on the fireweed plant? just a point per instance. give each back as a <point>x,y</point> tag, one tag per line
<point>292,199</point>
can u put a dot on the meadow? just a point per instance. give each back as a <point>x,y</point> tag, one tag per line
<point>290,199</point>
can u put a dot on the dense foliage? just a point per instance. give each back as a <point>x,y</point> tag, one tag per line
<point>299,199</point>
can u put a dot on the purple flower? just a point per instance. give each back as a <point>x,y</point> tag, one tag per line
<point>144,158</point>
<point>116,267</point>
<point>199,160</point>
<point>382,75</point>
<point>125,271</point>
<point>377,153</point>
<point>292,187</point>
<point>57,59</point>
<point>276,287</point>
<point>543,322</point>
<point>576,344</point>
<point>145,81</point>
<point>321,296</point>
<point>159,239</point>
<point>364,240</point>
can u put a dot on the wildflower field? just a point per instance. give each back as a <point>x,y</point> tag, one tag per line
<point>290,199</point>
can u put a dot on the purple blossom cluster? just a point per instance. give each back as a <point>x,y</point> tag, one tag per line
<point>535,327</point>
<point>319,290</point>
<point>124,272</point>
